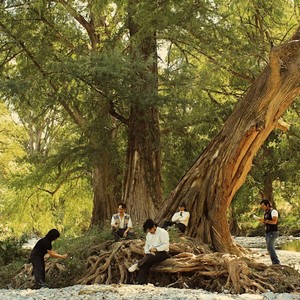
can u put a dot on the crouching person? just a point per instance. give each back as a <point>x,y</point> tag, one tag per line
<point>156,250</point>
<point>121,224</point>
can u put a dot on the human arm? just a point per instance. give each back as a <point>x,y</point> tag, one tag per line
<point>176,217</point>
<point>162,243</point>
<point>147,244</point>
<point>129,226</point>
<point>271,222</point>
<point>54,254</point>
<point>185,218</point>
<point>114,222</point>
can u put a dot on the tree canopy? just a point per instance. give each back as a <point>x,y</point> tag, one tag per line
<point>117,99</point>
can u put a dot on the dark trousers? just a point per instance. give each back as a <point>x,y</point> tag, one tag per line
<point>180,226</point>
<point>119,233</point>
<point>38,264</point>
<point>146,262</point>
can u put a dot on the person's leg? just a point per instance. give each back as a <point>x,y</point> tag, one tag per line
<point>145,264</point>
<point>270,241</point>
<point>38,271</point>
<point>167,224</point>
<point>43,272</point>
<point>181,227</point>
<point>118,233</point>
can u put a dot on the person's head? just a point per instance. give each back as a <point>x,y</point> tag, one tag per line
<point>150,226</point>
<point>121,207</point>
<point>265,204</point>
<point>182,206</point>
<point>53,234</point>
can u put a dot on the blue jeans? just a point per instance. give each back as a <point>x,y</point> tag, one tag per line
<point>270,240</point>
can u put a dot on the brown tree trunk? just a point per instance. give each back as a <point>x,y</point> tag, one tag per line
<point>104,200</point>
<point>143,182</point>
<point>211,183</point>
<point>106,185</point>
<point>143,192</point>
<point>267,192</point>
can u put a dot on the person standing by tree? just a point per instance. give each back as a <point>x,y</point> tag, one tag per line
<point>41,248</point>
<point>271,225</point>
<point>121,223</point>
<point>156,250</point>
<point>180,218</point>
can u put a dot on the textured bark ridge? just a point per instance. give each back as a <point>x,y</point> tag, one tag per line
<point>211,183</point>
<point>191,265</point>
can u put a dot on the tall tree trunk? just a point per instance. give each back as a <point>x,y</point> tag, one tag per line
<point>211,183</point>
<point>104,201</point>
<point>267,192</point>
<point>143,182</point>
<point>143,192</point>
<point>106,185</point>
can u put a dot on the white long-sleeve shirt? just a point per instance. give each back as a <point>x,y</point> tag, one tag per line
<point>158,240</point>
<point>184,219</point>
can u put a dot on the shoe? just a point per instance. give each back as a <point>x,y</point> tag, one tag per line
<point>133,268</point>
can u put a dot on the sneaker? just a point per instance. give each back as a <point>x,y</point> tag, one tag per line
<point>133,268</point>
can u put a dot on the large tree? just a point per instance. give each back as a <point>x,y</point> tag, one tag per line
<point>210,184</point>
<point>82,57</point>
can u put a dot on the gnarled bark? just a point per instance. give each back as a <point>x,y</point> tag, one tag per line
<point>210,184</point>
<point>142,188</point>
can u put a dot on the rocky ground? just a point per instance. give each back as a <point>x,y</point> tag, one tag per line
<point>134,292</point>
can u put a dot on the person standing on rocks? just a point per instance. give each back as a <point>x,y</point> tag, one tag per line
<point>156,250</point>
<point>41,248</point>
<point>270,221</point>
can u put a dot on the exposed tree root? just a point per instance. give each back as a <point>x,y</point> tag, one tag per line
<point>25,279</point>
<point>192,265</point>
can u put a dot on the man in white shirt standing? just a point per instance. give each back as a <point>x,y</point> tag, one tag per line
<point>156,250</point>
<point>180,218</point>
<point>121,223</point>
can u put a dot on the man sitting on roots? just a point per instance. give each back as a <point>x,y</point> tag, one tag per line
<point>180,219</point>
<point>156,250</point>
<point>121,223</point>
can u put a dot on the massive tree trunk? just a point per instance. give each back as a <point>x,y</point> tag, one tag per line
<point>143,192</point>
<point>106,185</point>
<point>143,181</point>
<point>210,184</point>
<point>104,201</point>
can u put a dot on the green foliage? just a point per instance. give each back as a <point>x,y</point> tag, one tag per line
<point>63,87</point>
<point>11,248</point>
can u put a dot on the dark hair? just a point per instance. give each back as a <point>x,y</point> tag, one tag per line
<point>123,205</point>
<point>149,224</point>
<point>265,202</point>
<point>53,234</point>
<point>182,204</point>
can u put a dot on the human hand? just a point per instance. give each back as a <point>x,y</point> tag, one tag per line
<point>65,256</point>
<point>153,250</point>
<point>125,234</point>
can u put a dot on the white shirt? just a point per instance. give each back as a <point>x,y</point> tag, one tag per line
<point>120,222</point>
<point>184,219</point>
<point>158,240</point>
